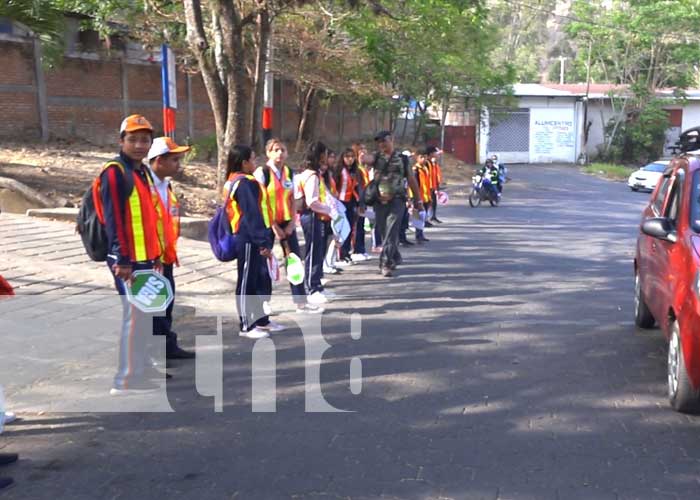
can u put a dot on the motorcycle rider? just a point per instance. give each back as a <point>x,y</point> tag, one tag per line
<point>502,172</point>
<point>491,172</point>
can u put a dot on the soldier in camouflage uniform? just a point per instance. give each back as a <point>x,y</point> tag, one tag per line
<point>394,175</point>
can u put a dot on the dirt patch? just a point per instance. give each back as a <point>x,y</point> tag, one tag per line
<point>63,171</point>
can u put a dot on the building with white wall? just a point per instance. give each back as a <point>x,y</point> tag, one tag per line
<point>547,125</point>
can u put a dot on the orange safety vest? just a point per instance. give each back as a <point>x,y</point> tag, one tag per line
<point>280,193</point>
<point>233,210</point>
<point>169,227</point>
<point>435,175</point>
<point>364,175</point>
<point>347,186</point>
<point>141,217</point>
<point>423,182</point>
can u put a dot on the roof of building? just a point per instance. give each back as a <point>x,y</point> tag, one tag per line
<point>595,90</point>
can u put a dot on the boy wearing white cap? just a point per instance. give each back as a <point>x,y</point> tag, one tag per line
<point>164,161</point>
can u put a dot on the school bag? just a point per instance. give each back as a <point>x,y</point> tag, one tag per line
<point>90,220</point>
<point>224,244</point>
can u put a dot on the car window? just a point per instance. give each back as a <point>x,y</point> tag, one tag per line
<point>674,198</point>
<point>655,167</point>
<point>695,205</point>
<point>658,202</point>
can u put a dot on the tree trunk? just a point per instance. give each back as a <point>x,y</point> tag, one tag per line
<point>264,27</point>
<point>215,86</point>
<point>308,97</point>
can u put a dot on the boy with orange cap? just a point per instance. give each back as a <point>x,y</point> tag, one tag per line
<point>125,205</point>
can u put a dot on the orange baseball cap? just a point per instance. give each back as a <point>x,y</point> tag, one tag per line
<point>132,123</point>
<point>164,145</point>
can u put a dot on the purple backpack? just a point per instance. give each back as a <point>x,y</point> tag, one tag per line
<point>223,242</point>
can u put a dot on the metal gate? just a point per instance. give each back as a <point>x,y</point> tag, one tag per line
<point>509,130</point>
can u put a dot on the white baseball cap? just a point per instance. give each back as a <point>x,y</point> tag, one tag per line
<point>164,145</point>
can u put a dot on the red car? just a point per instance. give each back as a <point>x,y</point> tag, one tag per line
<point>667,267</point>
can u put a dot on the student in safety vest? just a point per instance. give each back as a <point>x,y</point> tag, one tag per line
<point>422,172</point>
<point>346,182</point>
<point>126,205</point>
<point>327,190</point>
<point>164,162</point>
<point>249,213</point>
<point>359,249</point>
<point>316,206</point>
<point>278,180</point>
<point>435,180</point>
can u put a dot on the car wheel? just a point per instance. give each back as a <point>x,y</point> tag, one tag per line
<point>681,394</point>
<point>642,316</point>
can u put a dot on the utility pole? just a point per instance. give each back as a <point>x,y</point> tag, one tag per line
<point>561,69</point>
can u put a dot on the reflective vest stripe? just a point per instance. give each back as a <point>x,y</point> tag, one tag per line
<point>234,210</point>
<point>137,226</point>
<point>280,196</point>
<point>169,226</point>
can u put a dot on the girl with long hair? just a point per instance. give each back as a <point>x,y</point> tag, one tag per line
<point>249,213</point>
<point>315,206</point>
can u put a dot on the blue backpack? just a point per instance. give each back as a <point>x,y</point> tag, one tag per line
<point>223,242</point>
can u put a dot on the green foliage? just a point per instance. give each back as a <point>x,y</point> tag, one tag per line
<point>609,170</point>
<point>641,136</point>
<point>44,18</point>
<point>203,148</point>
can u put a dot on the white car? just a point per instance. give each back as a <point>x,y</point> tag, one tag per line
<point>645,178</point>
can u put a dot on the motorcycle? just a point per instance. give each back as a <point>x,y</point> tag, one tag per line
<point>483,190</point>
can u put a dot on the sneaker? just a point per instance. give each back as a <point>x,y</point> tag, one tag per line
<point>344,263</point>
<point>267,309</point>
<point>324,281</point>
<point>317,298</point>
<point>255,333</point>
<point>309,309</point>
<point>179,353</point>
<point>387,272</point>
<point>9,417</point>
<point>273,326</point>
<point>428,224</point>
<point>358,257</point>
<point>135,387</point>
<point>330,270</point>
<point>8,458</point>
<point>367,256</point>
<point>435,219</point>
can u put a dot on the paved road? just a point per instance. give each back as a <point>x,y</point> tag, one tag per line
<point>502,363</point>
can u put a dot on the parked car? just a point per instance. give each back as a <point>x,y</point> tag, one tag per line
<point>646,177</point>
<point>667,274</point>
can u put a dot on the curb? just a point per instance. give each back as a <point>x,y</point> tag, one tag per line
<point>190,227</point>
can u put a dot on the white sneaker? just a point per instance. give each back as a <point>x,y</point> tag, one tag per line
<point>324,281</point>
<point>317,298</point>
<point>329,270</point>
<point>357,257</point>
<point>344,263</point>
<point>267,309</point>
<point>273,326</point>
<point>9,418</point>
<point>255,333</point>
<point>309,309</point>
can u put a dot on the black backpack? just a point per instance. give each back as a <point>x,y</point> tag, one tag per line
<point>92,231</point>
